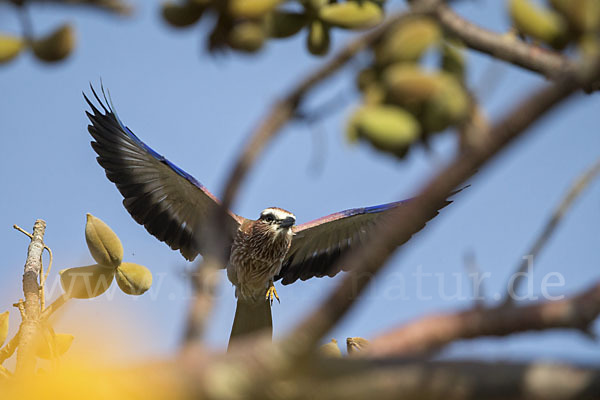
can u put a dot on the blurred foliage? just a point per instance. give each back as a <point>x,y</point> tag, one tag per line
<point>246,25</point>
<point>53,345</point>
<point>558,23</point>
<point>3,327</point>
<point>56,45</point>
<point>405,102</point>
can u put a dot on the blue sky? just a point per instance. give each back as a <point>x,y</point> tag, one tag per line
<point>198,110</point>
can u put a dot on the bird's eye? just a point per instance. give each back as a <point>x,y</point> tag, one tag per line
<point>269,218</point>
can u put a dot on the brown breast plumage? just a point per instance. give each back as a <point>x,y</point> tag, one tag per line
<point>256,256</point>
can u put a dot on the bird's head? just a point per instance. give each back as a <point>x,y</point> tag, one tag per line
<point>277,219</point>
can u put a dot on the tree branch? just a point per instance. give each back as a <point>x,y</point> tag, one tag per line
<point>534,58</point>
<point>29,325</point>
<point>364,263</point>
<point>114,6</point>
<point>435,331</point>
<point>358,378</point>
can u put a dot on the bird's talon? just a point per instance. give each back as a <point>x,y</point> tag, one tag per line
<point>271,292</point>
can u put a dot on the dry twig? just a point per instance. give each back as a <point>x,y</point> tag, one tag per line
<point>435,331</point>
<point>576,189</point>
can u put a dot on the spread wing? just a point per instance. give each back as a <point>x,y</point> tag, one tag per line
<point>170,203</point>
<point>318,244</point>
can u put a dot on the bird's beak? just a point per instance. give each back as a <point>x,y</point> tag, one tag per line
<point>288,222</point>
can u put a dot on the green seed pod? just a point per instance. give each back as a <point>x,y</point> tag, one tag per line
<point>283,24</point>
<point>449,106</point>
<point>134,279</point>
<point>453,60</point>
<point>247,36</point>
<point>352,14</point>
<point>3,327</point>
<point>181,15</point>
<point>86,282</point>
<point>408,85</point>
<point>365,77</point>
<point>103,243</point>
<point>583,15</point>
<point>408,41</point>
<point>539,23</point>
<point>61,343</point>
<point>374,94</point>
<point>10,47</point>
<point>251,8</point>
<point>589,46</point>
<point>387,128</point>
<point>318,38</point>
<point>314,5</point>
<point>56,46</point>
<point>355,345</point>
<point>330,349</point>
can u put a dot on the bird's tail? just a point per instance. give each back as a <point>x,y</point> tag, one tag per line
<point>251,317</point>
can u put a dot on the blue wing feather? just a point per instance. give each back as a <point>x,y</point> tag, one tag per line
<point>111,109</point>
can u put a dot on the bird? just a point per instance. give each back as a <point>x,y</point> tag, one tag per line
<point>175,208</point>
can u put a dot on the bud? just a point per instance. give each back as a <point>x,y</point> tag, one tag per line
<point>583,15</point>
<point>449,106</point>
<point>182,15</point>
<point>355,345</point>
<point>56,46</point>
<point>86,282</point>
<point>352,14</point>
<point>408,41</point>
<point>408,84</point>
<point>388,128</point>
<point>366,77</point>
<point>283,24</point>
<point>10,47</point>
<point>330,349</point>
<point>251,8</point>
<point>133,279</point>
<point>103,243</point>
<point>247,36</point>
<point>453,60</point>
<point>318,38</point>
<point>539,23</point>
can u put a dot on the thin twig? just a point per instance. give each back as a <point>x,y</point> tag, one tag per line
<point>44,277</point>
<point>558,214</point>
<point>115,6</point>
<point>26,25</point>
<point>474,274</point>
<point>55,305</point>
<point>23,231</point>
<point>20,305</point>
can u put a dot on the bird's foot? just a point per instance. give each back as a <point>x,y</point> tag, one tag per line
<point>271,292</point>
